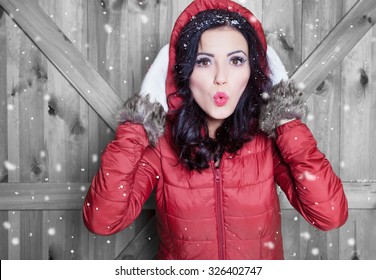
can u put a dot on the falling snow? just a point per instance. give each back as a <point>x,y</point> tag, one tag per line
<point>58,167</point>
<point>315,251</point>
<point>144,19</point>
<point>305,235</point>
<point>270,245</point>
<point>265,95</point>
<point>309,176</point>
<point>351,242</point>
<point>15,241</point>
<point>94,158</point>
<point>253,19</point>
<point>301,86</point>
<point>6,225</point>
<point>108,28</point>
<point>10,166</point>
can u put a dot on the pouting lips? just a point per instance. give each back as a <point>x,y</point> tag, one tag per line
<point>220,99</point>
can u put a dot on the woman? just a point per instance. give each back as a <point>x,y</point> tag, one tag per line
<point>213,169</point>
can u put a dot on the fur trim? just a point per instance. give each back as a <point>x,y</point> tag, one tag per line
<point>140,110</point>
<point>282,102</point>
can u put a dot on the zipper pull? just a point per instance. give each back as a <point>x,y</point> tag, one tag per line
<point>217,177</point>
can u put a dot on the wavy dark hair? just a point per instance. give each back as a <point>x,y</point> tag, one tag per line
<point>189,130</point>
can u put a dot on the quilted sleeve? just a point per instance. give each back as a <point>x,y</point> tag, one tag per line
<point>126,178</point>
<point>307,178</point>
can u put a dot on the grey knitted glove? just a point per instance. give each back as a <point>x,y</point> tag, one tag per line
<point>138,109</point>
<point>283,102</point>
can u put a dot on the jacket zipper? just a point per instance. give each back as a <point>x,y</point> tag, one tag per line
<point>219,212</point>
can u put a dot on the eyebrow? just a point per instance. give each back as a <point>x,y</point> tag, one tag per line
<point>229,54</point>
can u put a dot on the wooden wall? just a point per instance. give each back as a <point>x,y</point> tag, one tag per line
<point>50,135</point>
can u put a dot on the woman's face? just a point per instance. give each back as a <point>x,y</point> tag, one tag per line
<point>220,74</point>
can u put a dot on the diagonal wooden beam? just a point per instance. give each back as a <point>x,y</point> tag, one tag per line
<point>335,46</point>
<point>66,57</point>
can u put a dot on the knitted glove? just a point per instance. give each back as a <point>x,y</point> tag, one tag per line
<point>138,109</point>
<point>282,102</point>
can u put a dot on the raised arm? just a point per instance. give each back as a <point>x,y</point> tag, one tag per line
<point>307,178</point>
<point>128,171</point>
<point>301,170</point>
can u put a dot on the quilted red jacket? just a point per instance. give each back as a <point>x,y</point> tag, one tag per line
<point>230,212</point>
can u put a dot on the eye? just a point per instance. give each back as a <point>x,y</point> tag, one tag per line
<point>203,62</point>
<point>237,60</point>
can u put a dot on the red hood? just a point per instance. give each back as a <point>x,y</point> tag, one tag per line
<point>193,9</point>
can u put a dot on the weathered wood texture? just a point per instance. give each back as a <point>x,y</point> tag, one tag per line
<point>53,130</point>
<point>357,22</point>
<point>358,126</point>
<point>61,51</point>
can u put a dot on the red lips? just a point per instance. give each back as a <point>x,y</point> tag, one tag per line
<point>220,99</point>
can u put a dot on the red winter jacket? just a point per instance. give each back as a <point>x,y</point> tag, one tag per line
<point>230,212</point>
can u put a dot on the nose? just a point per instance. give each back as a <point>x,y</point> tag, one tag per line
<point>220,76</point>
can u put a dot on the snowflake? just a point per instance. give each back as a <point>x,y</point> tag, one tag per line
<point>7,225</point>
<point>10,166</point>
<point>58,167</point>
<point>15,241</point>
<point>315,251</point>
<point>305,235</point>
<point>144,19</point>
<point>351,242</point>
<point>270,245</point>
<point>108,28</point>
<point>51,231</point>
<point>265,95</point>
<point>94,158</point>
<point>309,176</point>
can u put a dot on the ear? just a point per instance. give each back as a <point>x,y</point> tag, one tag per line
<point>154,83</point>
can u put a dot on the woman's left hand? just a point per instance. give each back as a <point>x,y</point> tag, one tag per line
<point>284,103</point>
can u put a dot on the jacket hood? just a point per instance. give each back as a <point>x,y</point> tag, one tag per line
<point>159,82</point>
<point>192,10</point>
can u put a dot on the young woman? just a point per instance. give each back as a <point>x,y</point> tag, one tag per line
<point>229,136</point>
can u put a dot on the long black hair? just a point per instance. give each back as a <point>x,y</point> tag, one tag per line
<point>189,130</point>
